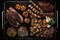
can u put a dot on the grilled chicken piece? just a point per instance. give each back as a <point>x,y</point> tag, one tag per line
<point>13,17</point>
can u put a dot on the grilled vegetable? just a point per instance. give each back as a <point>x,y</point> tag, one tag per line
<point>48,26</point>
<point>48,19</point>
<point>52,22</point>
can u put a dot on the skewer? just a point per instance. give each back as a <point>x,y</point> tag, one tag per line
<point>33,14</point>
<point>35,5</point>
<point>33,9</point>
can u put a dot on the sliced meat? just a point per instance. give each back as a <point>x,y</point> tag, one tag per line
<point>13,17</point>
<point>48,33</point>
<point>46,6</point>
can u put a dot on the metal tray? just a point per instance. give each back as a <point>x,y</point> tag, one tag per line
<point>5,24</point>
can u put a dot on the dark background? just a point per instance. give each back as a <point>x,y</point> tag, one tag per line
<point>1,9</point>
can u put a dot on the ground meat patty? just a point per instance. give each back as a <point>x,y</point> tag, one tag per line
<point>22,31</point>
<point>11,32</point>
